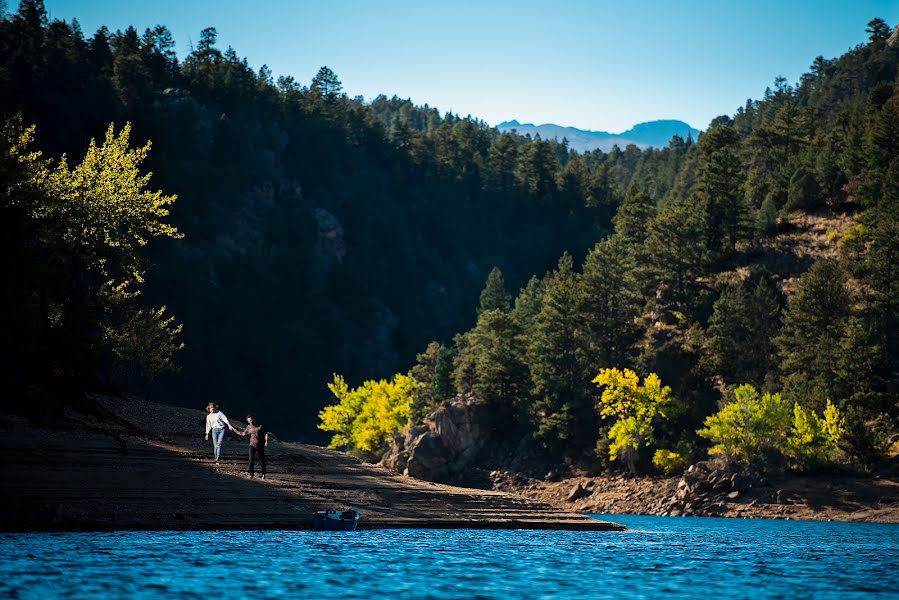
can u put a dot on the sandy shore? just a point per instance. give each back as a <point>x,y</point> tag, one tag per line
<point>129,464</point>
<point>821,498</point>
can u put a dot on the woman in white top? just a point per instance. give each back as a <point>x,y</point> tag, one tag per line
<point>216,421</point>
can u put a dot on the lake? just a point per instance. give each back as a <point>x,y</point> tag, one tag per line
<point>659,556</point>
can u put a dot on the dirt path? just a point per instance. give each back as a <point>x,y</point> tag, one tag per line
<point>136,465</point>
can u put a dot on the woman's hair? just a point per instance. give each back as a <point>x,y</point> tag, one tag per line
<point>212,405</point>
<point>250,416</point>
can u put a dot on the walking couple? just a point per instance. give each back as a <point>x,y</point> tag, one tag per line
<point>216,421</point>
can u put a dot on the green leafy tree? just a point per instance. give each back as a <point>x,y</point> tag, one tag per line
<point>766,220</point>
<point>502,157</point>
<point>81,231</point>
<point>367,417</point>
<point>813,441</point>
<point>878,30</point>
<point>882,257</point>
<point>728,331</point>
<point>131,76</point>
<point>635,409</point>
<point>880,148</point>
<point>326,83</point>
<point>669,462</point>
<point>751,427</point>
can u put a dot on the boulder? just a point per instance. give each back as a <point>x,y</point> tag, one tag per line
<point>578,492</point>
<point>457,425</point>
<point>427,457</point>
<point>740,482</point>
<point>721,483</point>
<point>396,458</point>
<point>443,445</point>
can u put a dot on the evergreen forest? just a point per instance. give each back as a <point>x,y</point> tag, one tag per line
<point>194,230</point>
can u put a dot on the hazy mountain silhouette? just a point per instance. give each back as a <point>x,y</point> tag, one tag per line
<point>655,134</point>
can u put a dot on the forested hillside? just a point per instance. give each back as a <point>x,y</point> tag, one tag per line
<point>320,233</point>
<point>747,303</point>
<point>739,293</point>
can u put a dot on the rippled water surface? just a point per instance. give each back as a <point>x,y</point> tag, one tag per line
<point>659,556</point>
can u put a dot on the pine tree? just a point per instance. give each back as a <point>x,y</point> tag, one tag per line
<point>560,364</point>
<point>494,295</point>
<point>745,319</point>
<point>766,220</point>
<point>878,30</point>
<point>433,370</point>
<point>720,190</point>
<point>676,250</point>
<point>326,83</point>
<point>634,215</point>
<point>527,304</point>
<point>497,352</point>
<point>609,304</point>
<point>813,327</point>
<point>881,147</point>
<point>804,192</point>
<point>535,170</point>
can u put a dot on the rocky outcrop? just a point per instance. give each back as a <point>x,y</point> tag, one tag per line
<point>893,40</point>
<point>706,485</point>
<point>579,491</point>
<point>443,445</point>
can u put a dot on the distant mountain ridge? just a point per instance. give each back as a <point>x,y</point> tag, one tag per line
<point>651,134</point>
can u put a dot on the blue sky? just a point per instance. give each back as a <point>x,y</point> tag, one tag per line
<point>590,64</point>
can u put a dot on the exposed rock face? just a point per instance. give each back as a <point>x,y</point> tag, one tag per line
<point>449,439</point>
<point>330,246</point>
<point>893,40</point>
<point>428,457</point>
<point>178,104</point>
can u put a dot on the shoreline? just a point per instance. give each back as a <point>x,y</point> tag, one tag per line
<point>807,498</point>
<point>127,464</point>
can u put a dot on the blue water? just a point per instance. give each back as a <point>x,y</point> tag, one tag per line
<point>660,556</point>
